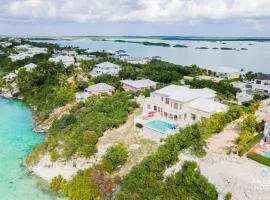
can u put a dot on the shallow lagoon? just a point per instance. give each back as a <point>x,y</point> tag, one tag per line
<point>16,141</point>
<point>256,57</point>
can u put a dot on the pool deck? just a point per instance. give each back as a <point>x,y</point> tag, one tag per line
<point>261,148</point>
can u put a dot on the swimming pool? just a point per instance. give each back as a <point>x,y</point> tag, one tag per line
<point>161,126</point>
<point>267,154</point>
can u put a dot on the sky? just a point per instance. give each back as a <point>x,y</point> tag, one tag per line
<point>231,18</point>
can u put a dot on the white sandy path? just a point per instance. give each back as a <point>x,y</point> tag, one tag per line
<point>246,179</point>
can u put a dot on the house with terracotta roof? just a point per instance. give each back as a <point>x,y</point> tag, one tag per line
<point>136,85</point>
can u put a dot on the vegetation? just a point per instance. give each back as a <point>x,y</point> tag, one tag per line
<point>228,196</point>
<point>114,158</point>
<point>45,88</point>
<point>145,181</point>
<point>250,144</point>
<point>77,133</point>
<point>259,158</point>
<point>224,89</point>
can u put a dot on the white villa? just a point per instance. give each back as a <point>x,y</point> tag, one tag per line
<point>66,60</point>
<point>105,68</point>
<point>29,67</point>
<point>183,105</point>
<point>224,72</point>
<point>85,57</point>
<point>177,106</point>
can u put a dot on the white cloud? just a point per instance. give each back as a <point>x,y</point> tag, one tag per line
<point>157,11</point>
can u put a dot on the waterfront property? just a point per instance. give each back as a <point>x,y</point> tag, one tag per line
<point>100,88</point>
<point>105,68</point>
<point>224,72</point>
<point>66,60</point>
<point>136,85</point>
<point>183,105</point>
<point>180,106</point>
<point>85,57</point>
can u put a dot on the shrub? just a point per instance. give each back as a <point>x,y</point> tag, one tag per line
<point>228,196</point>
<point>114,158</point>
<point>259,158</point>
<point>250,144</point>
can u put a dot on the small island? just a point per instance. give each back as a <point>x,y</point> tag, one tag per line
<point>227,48</point>
<point>202,48</point>
<point>180,46</point>
<point>215,48</point>
<point>243,49</point>
<point>145,43</point>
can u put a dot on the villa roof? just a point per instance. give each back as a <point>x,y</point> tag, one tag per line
<point>99,87</point>
<point>208,105</point>
<point>107,65</point>
<point>185,94</point>
<point>227,70</point>
<point>139,83</point>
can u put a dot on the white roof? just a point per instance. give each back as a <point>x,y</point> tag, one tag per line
<point>227,70</point>
<point>139,83</point>
<point>107,65</point>
<point>63,59</point>
<point>184,94</point>
<point>30,66</point>
<point>99,87</point>
<point>208,105</point>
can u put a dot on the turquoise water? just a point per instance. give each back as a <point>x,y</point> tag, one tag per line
<point>256,58</point>
<point>16,141</point>
<point>161,126</point>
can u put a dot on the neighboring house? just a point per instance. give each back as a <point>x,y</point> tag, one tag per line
<point>182,105</point>
<point>85,57</point>
<point>224,72</point>
<point>261,83</point>
<point>20,56</point>
<point>82,96</point>
<point>29,67</point>
<point>100,88</point>
<point>11,76</point>
<point>156,58</point>
<point>135,85</point>
<point>105,68</point>
<point>245,95</point>
<point>66,60</point>
<point>69,52</point>
<point>142,61</point>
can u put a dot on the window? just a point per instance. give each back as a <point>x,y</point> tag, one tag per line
<point>167,101</point>
<point>162,98</point>
<point>171,116</point>
<point>185,116</point>
<point>158,109</point>
<point>155,108</point>
<point>148,106</point>
<point>193,117</point>
<point>176,105</point>
<point>180,106</point>
<point>175,117</point>
<point>165,114</point>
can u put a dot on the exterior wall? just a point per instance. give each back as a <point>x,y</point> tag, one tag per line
<point>233,75</point>
<point>109,92</point>
<point>152,134</point>
<point>130,88</point>
<point>173,111</point>
<point>97,71</point>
